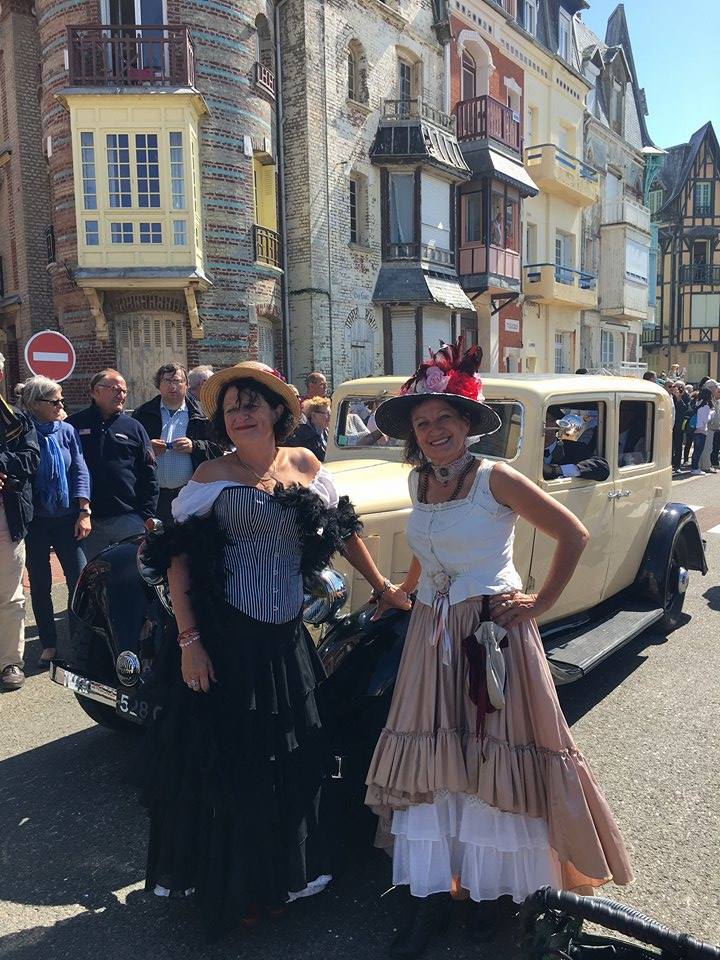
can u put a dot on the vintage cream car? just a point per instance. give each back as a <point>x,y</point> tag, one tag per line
<point>632,575</point>
<point>634,571</point>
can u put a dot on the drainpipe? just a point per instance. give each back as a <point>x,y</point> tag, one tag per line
<point>281,183</point>
<point>327,195</point>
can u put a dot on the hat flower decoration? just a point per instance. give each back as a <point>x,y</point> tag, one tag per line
<point>450,373</point>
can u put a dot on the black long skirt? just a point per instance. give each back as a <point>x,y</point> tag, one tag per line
<point>232,779</point>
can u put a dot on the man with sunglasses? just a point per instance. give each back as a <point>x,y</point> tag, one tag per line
<point>121,463</point>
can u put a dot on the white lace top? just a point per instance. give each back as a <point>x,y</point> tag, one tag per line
<point>464,546</point>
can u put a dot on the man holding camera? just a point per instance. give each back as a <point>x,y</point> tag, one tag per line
<point>178,433</point>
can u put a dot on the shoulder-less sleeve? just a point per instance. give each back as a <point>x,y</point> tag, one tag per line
<point>197,499</point>
<point>324,487</point>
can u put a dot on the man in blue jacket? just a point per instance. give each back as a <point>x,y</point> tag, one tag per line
<point>19,459</point>
<point>121,464</point>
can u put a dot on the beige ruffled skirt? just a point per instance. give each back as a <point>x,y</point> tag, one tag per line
<point>436,785</point>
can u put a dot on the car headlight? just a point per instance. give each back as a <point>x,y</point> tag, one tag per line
<point>326,595</point>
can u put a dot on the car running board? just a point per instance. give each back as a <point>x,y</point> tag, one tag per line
<point>572,655</point>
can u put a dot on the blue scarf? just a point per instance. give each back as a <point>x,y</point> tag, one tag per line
<point>51,483</point>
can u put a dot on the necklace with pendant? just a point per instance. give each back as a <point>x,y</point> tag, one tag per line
<point>270,475</point>
<point>448,471</point>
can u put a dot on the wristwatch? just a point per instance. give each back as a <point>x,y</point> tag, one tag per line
<point>378,594</point>
<point>86,510</point>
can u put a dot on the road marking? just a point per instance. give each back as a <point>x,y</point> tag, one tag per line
<point>694,507</point>
<point>715,529</point>
<point>50,357</point>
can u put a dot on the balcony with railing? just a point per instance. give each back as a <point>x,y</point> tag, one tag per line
<point>398,111</point>
<point>264,79</point>
<point>559,173</point>
<point>130,56</point>
<point>651,335</point>
<point>484,267</point>
<point>558,285</point>
<point>266,246</point>
<point>420,252</point>
<point>626,211</point>
<point>484,118</point>
<point>702,273</point>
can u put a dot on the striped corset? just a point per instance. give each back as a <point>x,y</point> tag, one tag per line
<point>262,554</point>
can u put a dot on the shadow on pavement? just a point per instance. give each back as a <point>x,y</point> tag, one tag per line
<point>577,699</point>
<point>712,595</point>
<point>74,835</point>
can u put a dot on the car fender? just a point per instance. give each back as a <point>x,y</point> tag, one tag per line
<point>676,521</point>
<point>360,655</point>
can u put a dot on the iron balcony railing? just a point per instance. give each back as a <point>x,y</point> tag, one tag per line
<point>563,274</point>
<point>133,55</point>
<point>486,118</point>
<point>266,246</point>
<point>264,79</point>
<point>563,159</point>
<point>700,273</point>
<point>420,251</point>
<point>417,108</point>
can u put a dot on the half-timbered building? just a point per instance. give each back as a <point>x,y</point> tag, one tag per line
<point>684,197</point>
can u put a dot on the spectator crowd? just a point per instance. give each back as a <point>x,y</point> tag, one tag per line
<point>73,485</point>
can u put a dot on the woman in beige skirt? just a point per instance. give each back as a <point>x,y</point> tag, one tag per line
<point>476,779</point>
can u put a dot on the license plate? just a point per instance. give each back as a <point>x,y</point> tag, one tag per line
<point>135,708</point>
<point>79,684</point>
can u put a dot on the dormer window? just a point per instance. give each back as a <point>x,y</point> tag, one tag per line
<point>565,36</point>
<point>616,107</point>
<point>531,17</point>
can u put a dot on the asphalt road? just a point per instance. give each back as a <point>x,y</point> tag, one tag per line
<point>72,836</point>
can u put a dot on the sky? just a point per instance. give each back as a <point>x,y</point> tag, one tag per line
<point>676,47</point>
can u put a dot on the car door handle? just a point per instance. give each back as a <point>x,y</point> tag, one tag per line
<point>618,494</point>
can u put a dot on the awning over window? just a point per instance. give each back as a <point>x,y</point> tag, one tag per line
<point>414,285</point>
<point>491,163</point>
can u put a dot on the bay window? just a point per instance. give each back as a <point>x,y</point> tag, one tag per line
<point>435,213</point>
<point>402,191</point>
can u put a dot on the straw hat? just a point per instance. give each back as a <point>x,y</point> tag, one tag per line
<point>450,375</point>
<point>250,370</point>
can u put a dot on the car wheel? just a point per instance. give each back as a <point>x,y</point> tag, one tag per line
<point>105,715</point>
<point>676,584</point>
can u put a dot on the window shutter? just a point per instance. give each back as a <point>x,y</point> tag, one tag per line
<point>403,342</point>
<point>437,326</point>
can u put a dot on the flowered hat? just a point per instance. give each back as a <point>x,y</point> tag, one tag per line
<point>450,374</point>
<point>251,370</point>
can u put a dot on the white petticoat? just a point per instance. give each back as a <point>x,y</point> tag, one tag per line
<point>494,853</point>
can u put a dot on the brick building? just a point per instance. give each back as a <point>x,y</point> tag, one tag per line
<point>370,167</point>
<point>25,294</point>
<point>159,121</point>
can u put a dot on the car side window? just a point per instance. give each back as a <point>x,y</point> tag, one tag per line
<point>574,444</point>
<point>356,425</point>
<point>636,432</point>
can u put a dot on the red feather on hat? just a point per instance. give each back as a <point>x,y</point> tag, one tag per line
<point>453,362</point>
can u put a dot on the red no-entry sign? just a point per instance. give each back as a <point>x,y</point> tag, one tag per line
<point>50,354</point>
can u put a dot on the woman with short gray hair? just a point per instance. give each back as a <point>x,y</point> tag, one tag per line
<point>61,504</point>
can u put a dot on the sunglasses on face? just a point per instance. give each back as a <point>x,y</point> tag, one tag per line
<point>55,403</point>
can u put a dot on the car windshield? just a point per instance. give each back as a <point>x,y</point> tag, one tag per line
<point>356,428</point>
<point>356,424</point>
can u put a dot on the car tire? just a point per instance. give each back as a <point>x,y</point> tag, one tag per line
<point>674,597</point>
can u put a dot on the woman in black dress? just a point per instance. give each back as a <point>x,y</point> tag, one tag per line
<point>235,764</point>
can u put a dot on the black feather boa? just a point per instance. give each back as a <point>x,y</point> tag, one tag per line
<point>323,533</point>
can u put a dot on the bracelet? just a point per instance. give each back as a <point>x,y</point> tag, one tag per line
<point>187,637</point>
<point>378,594</point>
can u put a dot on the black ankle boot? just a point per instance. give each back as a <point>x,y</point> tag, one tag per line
<point>431,915</point>
<point>484,921</point>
